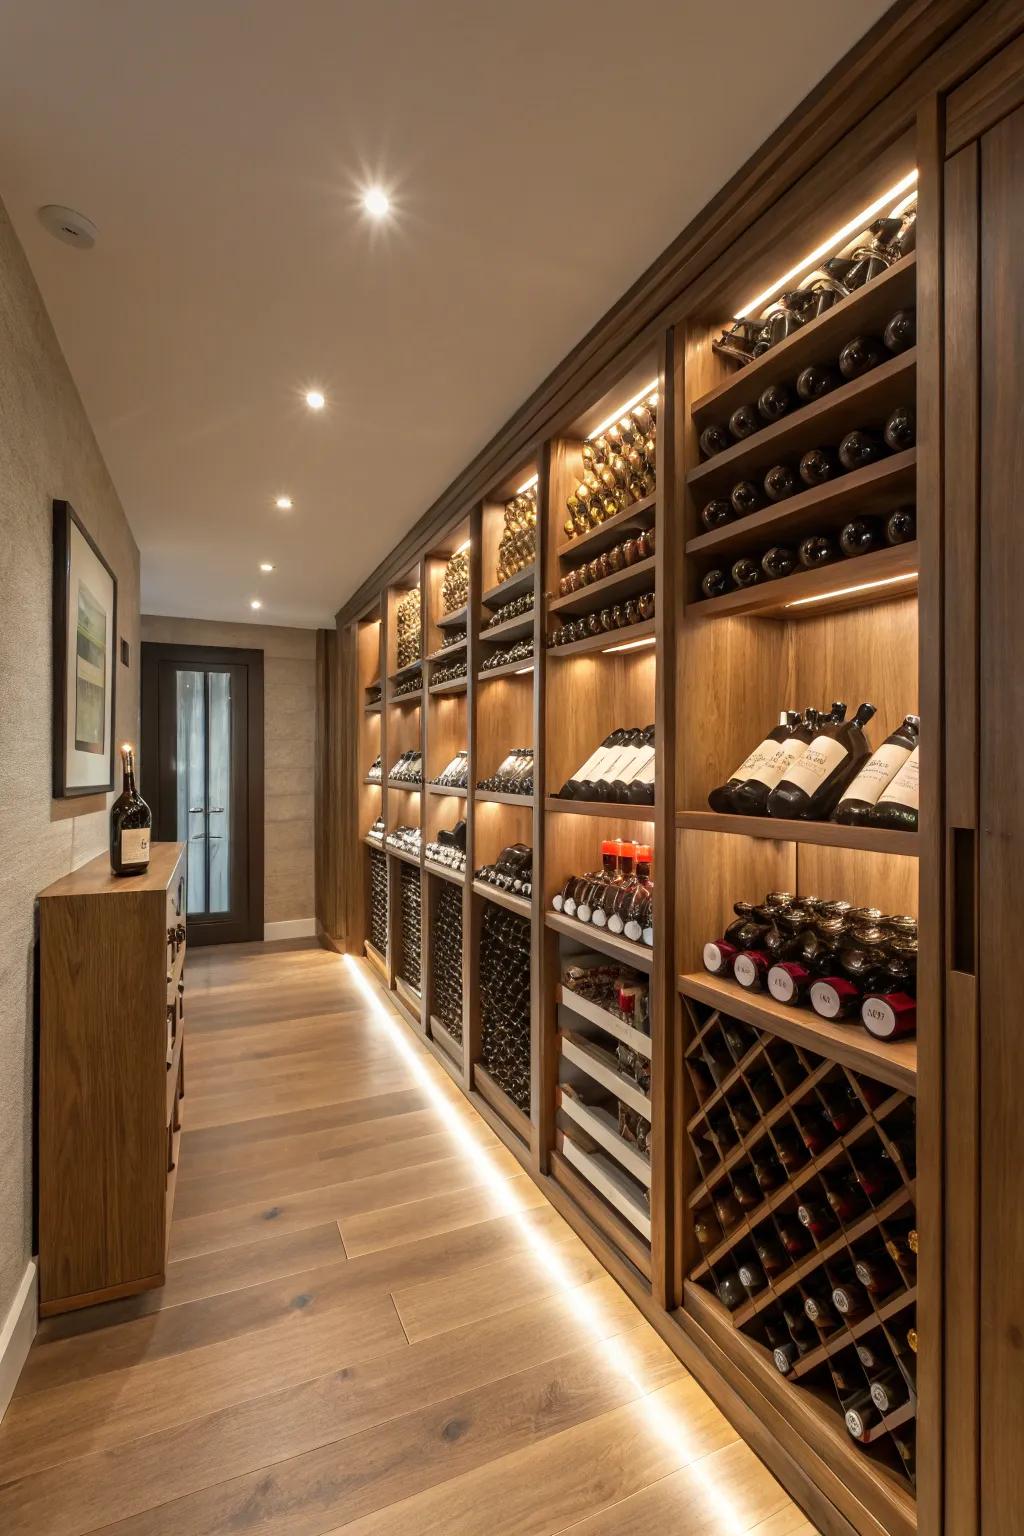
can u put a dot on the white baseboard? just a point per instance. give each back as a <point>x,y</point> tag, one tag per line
<point>16,1335</point>
<point>296,928</point>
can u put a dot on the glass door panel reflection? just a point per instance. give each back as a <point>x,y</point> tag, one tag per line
<point>218,799</point>
<point>190,717</point>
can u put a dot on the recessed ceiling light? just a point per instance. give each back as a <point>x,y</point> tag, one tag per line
<point>315,399</point>
<point>283,503</point>
<point>67,225</point>
<point>255,603</point>
<point>376,202</point>
<point>265,565</point>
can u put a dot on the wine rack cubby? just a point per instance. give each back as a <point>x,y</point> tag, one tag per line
<point>446,963</point>
<point>804,1214</point>
<point>378,914</point>
<point>409,895</point>
<point>505,1002</point>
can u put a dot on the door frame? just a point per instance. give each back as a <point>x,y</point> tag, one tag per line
<point>212,930</point>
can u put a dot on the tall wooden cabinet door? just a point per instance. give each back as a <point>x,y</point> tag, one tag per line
<point>984,561</point>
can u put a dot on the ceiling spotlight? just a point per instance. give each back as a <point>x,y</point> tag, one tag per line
<point>255,603</point>
<point>67,225</point>
<point>265,565</point>
<point>315,399</point>
<point>283,503</point>
<point>376,203</point>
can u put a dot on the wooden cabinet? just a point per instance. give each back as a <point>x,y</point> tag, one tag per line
<point>111,1077</point>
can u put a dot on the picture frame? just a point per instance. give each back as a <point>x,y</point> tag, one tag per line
<point>84,660</point>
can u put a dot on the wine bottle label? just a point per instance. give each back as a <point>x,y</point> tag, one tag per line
<point>780,760</point>
<point>905,787</point>
<point>784,980</point>
<point>135,845</point>
<point>748,969</point>
<point>646,773</point>
<point>876,774</point>
<point>889,1016</point>
<point>757,759</point>
<point>829,998</point>
<point>614,764</point>
<point>569,906</point>
<point>648,936</point>
<point>641,764</point>
<point>821,759</point>
<point>718,956</point>
<point>592,768</point>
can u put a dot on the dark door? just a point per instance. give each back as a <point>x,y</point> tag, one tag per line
<point>202,773</point>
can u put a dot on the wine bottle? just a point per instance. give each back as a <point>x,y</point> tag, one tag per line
<point>750,797</point>
<point>592,768</point>
<point>778,562</point>
<point>901,526</point>
<point>609,870</point>
<point>717,513</point>
<point>816,381</point>
<point>859,449</point>
<point>816,551</point>
<point>854,809</point>
<point>818,465</point>
<point>720,799</point>
<point>901,332</point>
<point>746,498</point>
<point>897,805</point>
<point>131,822</point>
<point>780,482</point>
<point>746,573</point>
<point>812,787</point>
<point>774,402</point>
<point>857,538</point>
<point>900,429</point>
<point>714,439</point>
<point>715,583</point>
<point>859,356</point>
<point>744,422</point>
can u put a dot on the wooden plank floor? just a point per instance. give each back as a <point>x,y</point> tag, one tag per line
<point>373,1321</point>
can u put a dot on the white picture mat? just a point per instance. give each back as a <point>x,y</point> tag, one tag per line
<point>82,769</point>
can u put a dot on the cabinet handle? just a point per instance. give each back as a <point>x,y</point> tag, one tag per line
<point>963,874</point>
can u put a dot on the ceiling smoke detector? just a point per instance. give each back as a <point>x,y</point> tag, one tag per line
<point>67,225</point>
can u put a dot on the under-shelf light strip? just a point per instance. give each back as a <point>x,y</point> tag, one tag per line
<point>649,392</point>
<point>828,247</point>
<point>527,484</point>
<point>629,645</point>
<point>862,586</point>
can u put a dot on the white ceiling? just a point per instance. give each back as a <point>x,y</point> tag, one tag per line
<point>542,153</point>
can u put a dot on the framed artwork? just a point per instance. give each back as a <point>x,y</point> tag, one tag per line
<point>84,660</point>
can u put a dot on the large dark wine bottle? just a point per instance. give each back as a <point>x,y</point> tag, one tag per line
<point>815,783</point>
<point>881,768</point>
<point>131,822</point>
<point>720,799</point>
<point>897,805</point>
<point>750,796</point>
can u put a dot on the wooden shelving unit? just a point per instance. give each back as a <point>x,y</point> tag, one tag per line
<point>630,1133</point>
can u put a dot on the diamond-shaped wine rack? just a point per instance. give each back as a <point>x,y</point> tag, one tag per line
<point>806,1172</point>
<point>409,911</point>
<point>379,901</point>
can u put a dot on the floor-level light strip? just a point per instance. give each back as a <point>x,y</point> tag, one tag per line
<point>662,1420</point>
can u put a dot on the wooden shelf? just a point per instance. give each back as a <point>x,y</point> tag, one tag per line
<point>377,783</point>
<point>599,594</point>
<point>447,1041</point>
<point>637,955</point>
<point>864,402</point>
<point>409,788</point>
<point>406,858</point>
<point>455,649</point>
<point>610,1022</point>
<point>443,789</point>
<point>373,709</point>
<point>824,834</point>
<point>372,843</point>
<point>610,810</point>
<point>500,1102</point>
<point>457,685</point>
<point>640,515</point>
<point>610,1181</point>
<point>844,584</point>
<point>406,671</point>
<point>494,797</point>
<point>399,702</point>
<point>509,899</point>
<point>865,312</point>
<point>511,629</point>
<point>510,669</point>
<point>614,640</point>
<point>509,588</point>
<point>454,620</point>
<point>456,876</point>
<point>889,483</point>
<point>600,1066</point>
<point>602,1126</point>
<point>849,1044</point>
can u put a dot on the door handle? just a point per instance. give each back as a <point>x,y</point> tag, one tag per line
<point>196,810</point>
<point>216,810</point>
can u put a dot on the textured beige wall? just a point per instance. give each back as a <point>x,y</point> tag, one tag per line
<point>289,731</point>
<point>47,451</point>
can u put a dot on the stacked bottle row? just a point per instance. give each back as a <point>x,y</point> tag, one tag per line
<point>449,848</point>
<point>456,774</point>
<point>375,831</point>
<point>618,469</point>
<point>449,671</point>
<point>408,966</point>
<point>407,769</point>
<point>511,871</point>
<point>616,989</point>
<point>406,685</point>
<point>517,548</point>
<point>514,775</point>
<point>845,962</point>
<point>505,656</point>
<point>618,897</point>
<point>378,901</point>
<point>409,629</point>
<point>455,583</point>
<point>621,771</point>
<point>820,767</point>
<point>374,772</point>
<point>504,980</point>
<point>871,252</point>
<point>446,958</point>
<point>608,563</point>
<point>405,839</point>
<point>516,608</point>
<point>634,610</point>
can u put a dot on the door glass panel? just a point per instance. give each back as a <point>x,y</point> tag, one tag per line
<point>191,779</point>
<point>219,799</point>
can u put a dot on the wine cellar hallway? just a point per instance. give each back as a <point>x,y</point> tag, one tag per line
<point>373,1321</point>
